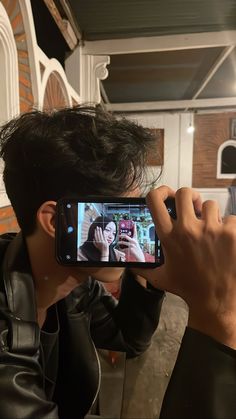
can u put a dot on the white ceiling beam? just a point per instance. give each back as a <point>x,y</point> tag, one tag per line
<point>172,105</point>
<point>225,53</point>
<point>214,69</point>
<point>160,43</point>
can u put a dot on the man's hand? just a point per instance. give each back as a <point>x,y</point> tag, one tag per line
<point>200,260</point>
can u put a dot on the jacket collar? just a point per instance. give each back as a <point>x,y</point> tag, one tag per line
<point>18,281</point>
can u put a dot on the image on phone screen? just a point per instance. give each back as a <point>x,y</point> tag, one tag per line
<point>107,232</point>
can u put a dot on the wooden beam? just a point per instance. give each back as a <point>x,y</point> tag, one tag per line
<point>71,18</point>
<point>63,24</point>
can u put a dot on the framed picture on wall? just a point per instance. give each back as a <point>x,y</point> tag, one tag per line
<point>156,157</point>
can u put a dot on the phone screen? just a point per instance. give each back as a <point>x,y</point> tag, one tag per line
<point>107,232</point>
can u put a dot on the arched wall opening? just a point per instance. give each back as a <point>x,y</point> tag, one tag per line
<point>9,86</point>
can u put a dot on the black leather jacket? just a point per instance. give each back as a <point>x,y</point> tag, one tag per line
<point>203,383</point>
<point>55,372</point>
<point>59,366</point>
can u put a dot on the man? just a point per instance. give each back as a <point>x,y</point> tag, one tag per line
<point>199,266</point>
<point>52,317</point>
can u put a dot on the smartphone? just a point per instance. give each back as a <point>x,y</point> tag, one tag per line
<point>126,227</point>
<point>94,231</point>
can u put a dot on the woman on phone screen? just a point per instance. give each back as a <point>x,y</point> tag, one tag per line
<point>101,241</point>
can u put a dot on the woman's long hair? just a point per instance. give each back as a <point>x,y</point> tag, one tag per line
<point>88,248</point>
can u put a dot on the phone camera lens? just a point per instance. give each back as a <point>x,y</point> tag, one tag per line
<point>68,205</point>
<point>70,229</point>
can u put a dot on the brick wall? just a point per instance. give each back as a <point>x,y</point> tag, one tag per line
<point>54,97</point>
<point>8,221</point>
<point>156,157</point>
<point>211,130</point>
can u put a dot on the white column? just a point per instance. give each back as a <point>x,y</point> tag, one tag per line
<point>84,73</point>
<point>93,70</point>
<point>73,69</point>
<point>185,151</point>
<point>170,175</point>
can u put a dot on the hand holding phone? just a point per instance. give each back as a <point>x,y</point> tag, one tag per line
<point>130,245</point>
<point>126,228</point>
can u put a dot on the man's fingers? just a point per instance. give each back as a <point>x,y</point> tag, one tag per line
<point>188,203</point>
<point>211,212</point>
<point>230,220</point>
<point>155,201</point>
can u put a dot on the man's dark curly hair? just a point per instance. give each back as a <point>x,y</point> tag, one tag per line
<point>74,151</point>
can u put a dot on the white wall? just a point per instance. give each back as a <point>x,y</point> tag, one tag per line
<point>178,153</point>
<point>221,195</point>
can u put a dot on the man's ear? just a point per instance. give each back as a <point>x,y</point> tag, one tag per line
<point>46,217</point>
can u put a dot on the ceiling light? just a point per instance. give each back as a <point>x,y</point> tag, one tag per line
<point>190,129</point>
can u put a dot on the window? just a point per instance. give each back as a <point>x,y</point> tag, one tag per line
<point>226,160</point>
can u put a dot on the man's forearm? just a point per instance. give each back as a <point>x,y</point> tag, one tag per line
<point>222,328</point>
